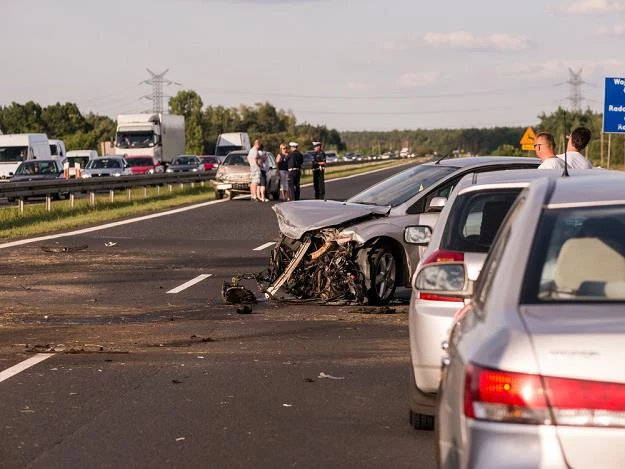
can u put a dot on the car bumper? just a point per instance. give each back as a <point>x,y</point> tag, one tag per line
<point>494,444</point>
<point>429,324</point>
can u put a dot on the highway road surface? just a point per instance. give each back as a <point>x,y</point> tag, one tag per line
<point>117,351</point>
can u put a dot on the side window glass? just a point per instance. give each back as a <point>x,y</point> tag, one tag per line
<point>442,191</point>
<point>489,270</point>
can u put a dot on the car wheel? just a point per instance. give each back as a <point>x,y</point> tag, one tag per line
<point>418,420</point>
<point>219,194</point>
<point>383,272</point>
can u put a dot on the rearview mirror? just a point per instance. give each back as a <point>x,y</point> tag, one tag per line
<point>437,204</point>
<point>419,235</point>
<point>445,279</point>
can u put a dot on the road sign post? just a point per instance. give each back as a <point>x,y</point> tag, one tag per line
<point>528,139</point>
<point>614,106</point>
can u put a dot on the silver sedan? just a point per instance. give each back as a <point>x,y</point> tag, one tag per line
<point>534,375</point>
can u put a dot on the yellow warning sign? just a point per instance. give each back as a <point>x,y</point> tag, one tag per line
<point>528,139</point>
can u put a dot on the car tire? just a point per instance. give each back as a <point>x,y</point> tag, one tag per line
<point>219,194</point>
<point>418,420</point>
<point>383,275</point>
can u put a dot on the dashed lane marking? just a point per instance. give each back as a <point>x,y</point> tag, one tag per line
<point>190,283</point>
<point>15,369</point>
<point>264,246</point>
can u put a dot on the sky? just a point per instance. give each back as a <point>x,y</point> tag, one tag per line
<point>346,64</point>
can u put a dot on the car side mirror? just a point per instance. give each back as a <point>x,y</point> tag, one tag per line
<point>444,279</point>
<point>419,235</point>
<point>437,204</point>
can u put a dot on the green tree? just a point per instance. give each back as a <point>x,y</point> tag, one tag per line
<point>507,150</point>
<point>189,104</point>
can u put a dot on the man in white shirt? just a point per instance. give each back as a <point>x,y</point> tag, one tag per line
<point>252,158</point>
<point>577,141</point>
<point>544,146</point>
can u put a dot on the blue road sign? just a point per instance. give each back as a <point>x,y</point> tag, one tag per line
<point>614,106</point>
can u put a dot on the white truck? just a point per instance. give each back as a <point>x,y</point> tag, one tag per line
<point>158,135</point>
<point>232,141</point>
<point>15,148</point>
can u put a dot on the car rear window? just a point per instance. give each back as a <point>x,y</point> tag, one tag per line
<point>236,160</point>
<point>140,162</point>
<point>578,256</point>
<point>475,219</point>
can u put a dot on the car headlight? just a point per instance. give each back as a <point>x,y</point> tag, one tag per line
<point>150,171</point>
<point>117,175</point>
<point>85,175</point>
<point>169,170</point>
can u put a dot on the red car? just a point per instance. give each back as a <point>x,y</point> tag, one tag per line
<point>210,162</point>
<point>144,165</point>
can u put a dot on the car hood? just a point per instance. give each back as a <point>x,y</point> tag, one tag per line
<point>297,218</point>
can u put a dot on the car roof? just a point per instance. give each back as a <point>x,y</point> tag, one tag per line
<point>601,187</point>
<point>504,178</point>
<point>478,161</point>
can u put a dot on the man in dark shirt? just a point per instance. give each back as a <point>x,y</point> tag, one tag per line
<point>295,161</point>
<point>318,169</point>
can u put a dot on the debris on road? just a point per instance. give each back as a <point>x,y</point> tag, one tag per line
<point>244,310</point>
<point>233,293</point>
<point>323,375</point>
<point>176,381</point>
<point>56,249</point>
<point>376,310</point>
<point>180,438</point>
<point>109,244</point>
<point>287,405</point>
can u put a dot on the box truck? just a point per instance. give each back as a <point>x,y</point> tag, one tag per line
<point>158,135</point>
<point>232,141</point>
<point>15,148</point>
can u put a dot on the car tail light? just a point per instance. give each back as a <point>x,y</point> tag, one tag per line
<point>533,399</point>
<point>441,255</point>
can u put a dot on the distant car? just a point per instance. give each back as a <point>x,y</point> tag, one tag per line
<point>233,176</point>
<point>186,164</point>
<point>331,157</point>
<point>464,232</point>
<point>73,159</point>
<point>308,160</point>
<point>106,166</point>
<point>211,163</point>
<point>385,225</point>
<point>39,170</point>
<point>533,373</point>
<point>144,165</point>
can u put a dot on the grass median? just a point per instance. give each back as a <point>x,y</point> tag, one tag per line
<point>35,220</point>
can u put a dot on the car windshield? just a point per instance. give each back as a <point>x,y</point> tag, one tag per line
<point>403,186</point>
<point>36,167</point>
<point>104,163</point>
<point>580,256</point>
<point>475,219</point>
<point>82,160</point>
<point>236,160</point>
<point>13,153</point>
<point>185,160</point>
<point>138,139</point>
<point>140,162</point>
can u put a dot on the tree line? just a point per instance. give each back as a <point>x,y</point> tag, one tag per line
<point>263,120</point>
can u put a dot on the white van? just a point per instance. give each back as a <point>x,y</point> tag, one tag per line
<point>57,148</point>
<point>80,158</point>
<point>15,148</point>
<point>232,142</point>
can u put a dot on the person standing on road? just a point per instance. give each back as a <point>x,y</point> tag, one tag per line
<point>577,141</point>
<point>252,158</point>
<point>318,170</point>
<point>283,167</point>
<point>295,161</point>
<point>263,165</point>
<point>544,146</point>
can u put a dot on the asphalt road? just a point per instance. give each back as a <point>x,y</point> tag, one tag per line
<point>141,373</point>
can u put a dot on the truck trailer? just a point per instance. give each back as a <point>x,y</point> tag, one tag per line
<point>15,148</point>
<point>158,135</point>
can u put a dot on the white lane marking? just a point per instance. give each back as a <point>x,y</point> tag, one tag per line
<point>190,283</point>
<point>21,242</point>
<point>264,246</point>
<point>15,369</point>
<point>109,225</point>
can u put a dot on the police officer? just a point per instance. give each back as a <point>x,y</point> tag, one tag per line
<point>318,169</point>
<point>294,162</point>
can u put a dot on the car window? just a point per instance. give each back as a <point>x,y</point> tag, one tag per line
<point>403,186</point>
<point>236,160</point>
<point>489,269</point>
<point>475,218</point>
<point>580,256</point>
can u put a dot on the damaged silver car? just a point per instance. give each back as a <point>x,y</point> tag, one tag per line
<point>360,250</point>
